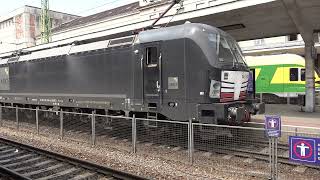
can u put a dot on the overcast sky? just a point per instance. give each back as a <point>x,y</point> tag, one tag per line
<point>78,7</point>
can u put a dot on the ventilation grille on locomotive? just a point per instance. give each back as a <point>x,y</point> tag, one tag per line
<point>121,41</point>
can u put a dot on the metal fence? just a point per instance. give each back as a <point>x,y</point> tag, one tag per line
<point>204,145</point>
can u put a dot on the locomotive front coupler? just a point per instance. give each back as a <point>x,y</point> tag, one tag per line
<point>236,115</point>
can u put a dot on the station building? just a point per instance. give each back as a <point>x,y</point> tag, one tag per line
<point>20,28</point>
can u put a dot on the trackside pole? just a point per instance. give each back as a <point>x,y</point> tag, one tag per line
<point>93,128</point>
<point>17,117</point>
<point>270,155</point>
<point>274,153</point>
<point>190,141</point>
<point>134,134</point>
<point>1,116</point>
<point>273,158</point>
<point>276,158</point>
<point>37,120</point>
<point>61,124</point>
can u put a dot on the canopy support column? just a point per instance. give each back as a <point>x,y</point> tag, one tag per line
<point>310,86</point>
<point>306,32</point>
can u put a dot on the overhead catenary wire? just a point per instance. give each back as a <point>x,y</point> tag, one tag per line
<point>181,7</point>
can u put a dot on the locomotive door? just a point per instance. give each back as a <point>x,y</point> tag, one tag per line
<point>152,73</point>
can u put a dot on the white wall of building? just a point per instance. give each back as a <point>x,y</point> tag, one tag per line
<point>20,28</point>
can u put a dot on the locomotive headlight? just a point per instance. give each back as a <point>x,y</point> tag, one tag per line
<point>214,89</point>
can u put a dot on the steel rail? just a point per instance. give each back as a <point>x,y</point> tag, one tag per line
<point>66,159</point>
<point>11,174</point>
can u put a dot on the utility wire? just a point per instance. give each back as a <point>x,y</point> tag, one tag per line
<point>90,9</point>
<point>24,3</point>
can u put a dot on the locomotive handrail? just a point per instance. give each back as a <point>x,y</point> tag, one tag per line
<point>160,78</point>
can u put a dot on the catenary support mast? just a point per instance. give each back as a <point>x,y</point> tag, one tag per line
<point>45,22</point>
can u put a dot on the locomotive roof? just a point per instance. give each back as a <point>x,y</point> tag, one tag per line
<point>186,30</point>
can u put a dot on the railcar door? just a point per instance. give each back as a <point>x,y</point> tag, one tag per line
<point>152,73</point>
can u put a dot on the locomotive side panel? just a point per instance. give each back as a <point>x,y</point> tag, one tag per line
<point>91,80</point>
<point>198,77</point>
<point>173,79</point>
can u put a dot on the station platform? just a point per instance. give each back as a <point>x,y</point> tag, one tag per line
<point>291,115</point>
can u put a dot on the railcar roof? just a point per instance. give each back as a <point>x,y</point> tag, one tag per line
<point>275,60</point>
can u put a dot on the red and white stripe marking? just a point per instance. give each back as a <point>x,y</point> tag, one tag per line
<point>234,85</point>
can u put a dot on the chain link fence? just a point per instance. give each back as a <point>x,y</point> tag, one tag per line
<point>9,117</point>
<point>48,123</point>
<point>167,139</point>
<point>27,119</point>
<point>113,131</point>
<point>203,145</point>
<point>76,126</point>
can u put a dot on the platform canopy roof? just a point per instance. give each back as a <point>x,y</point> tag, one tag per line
<point>255,19</point>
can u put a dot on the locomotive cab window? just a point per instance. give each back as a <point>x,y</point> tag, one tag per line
<point>224,51</point>
<point>152,56</point>
<point>294,74</point>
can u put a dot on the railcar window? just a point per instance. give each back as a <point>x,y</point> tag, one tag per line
<point>293,74</point>
<point>303,74</point>
<point>152,56</point>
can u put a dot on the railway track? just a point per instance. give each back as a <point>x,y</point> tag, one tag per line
<point>20,161</point>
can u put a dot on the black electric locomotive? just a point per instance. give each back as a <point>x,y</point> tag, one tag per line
<point>185,72</point>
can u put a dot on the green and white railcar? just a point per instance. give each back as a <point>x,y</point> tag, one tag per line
<point>282,75</point>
